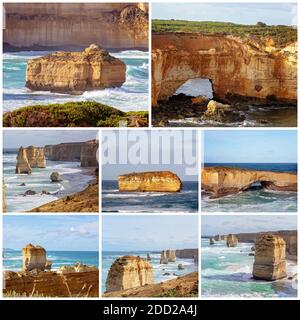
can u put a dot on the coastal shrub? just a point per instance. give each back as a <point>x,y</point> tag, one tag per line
<point>281,34</point>
<point>71,114</point>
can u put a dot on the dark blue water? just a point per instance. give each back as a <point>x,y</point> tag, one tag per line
<point>255,199</point>
<point>184,201</point>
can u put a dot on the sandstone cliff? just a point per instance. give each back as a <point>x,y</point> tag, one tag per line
<point>185,286</point>
<point>34,257</point>
<point>51,284</point>
<point>237,68</point>
<point>111,25</point>
<point>269,259</point>
<point>36,157</point>
<point>153,181</point>
<point>75,72</point>
<point>89,154</point>
<point>187,254</point>
<point>128,272</point>
<point>222,181</point>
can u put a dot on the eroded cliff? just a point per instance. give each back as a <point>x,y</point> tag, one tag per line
<point>237,68</point>
<point>152,181</point>
<point>222,181</point>
<point>111,25</point>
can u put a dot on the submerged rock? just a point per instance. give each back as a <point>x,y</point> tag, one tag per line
<point>29,193</point>
<point>269,261</point>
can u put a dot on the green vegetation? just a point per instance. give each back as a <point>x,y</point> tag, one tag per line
<point>74,114</point>
<point>281,34</point>
<point>173,293</point>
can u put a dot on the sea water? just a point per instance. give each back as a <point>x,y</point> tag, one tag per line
<point>255,199</point>
<point>131,96</point>
<point>74,177</point>
<point>228,272</point>
<point>161,272</point>
<point>12,259</point>
<point>184,201</point>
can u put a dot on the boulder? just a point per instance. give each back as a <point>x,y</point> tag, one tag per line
<point>48,265</point>
<point>34,257</point>
<point>80,267</point>
<point>200,100</point>
<point>29,193</point>
<point>75,72</point>
<point>180,266</point>
<point>232,240</point>
<point>23,165</point>
<point>269,260</point>
<point>55,177</point>
<point>129,272</point>
<point>222,113</point>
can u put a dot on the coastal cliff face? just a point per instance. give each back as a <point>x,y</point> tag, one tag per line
<point>30,157</point>
<point>222,181</point>
<point>128,272</point>
<point>153,181</point>
<point>85,152</point>
<point>111,25</point>
<point>269,259</point>
<point>75,72</point>
<point>51,284</point>
<point>185,286</point>
<point>187,254</point>
<point>235,67</point>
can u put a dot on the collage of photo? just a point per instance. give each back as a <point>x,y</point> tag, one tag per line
<point>149,150</point>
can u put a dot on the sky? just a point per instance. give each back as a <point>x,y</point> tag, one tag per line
<point>58,233</point>
<point>40,138</point>
<point>252,146</point>
<point>140,150</point>
<point>213,225</point>
<point>139,233</point>
<point>243,13</point>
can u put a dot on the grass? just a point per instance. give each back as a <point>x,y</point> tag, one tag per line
<point>173,293</point>
<point>74,114</point>
<point>282,35</point>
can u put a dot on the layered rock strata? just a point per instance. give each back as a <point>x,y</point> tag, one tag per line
<point>75,72</point>
<point>129,272</point>
<point>155,181</point>
<point>23,165</point>
<point>112,25</point>
<point>237,68</point>
<point>34,257</point>
<point>231,240</point>
<point>269,260</point>
<point>89,154</point>
<point>222,181</point>
<point>30,157</point>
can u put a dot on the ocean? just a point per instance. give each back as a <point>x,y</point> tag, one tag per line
<point>132,96</point>
<point>159,270</point>
<point>228,272</point>
<point>74,177</point>
<point>184,201</point>
<point>254,199</point>
<point>12,259</point>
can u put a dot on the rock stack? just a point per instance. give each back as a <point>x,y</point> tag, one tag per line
<point>23,165</point>
<point>232,240</point>
<point>129,272</point>
<point>171,255</point>
<point>163,258</point>
<point>269,260</point>
<point>30,157</point>
<point>211,241</point>
<point>218,238</point>
<point>34,257</point>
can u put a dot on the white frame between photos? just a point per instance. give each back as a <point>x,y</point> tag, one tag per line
<point>200,154</point>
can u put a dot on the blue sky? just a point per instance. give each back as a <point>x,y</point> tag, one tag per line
<point>244,13</point>
<point>140,150</point>
<point>130,233</point>
<point>213,225</point>
<point>40,138</point>
<point>256,146</point>
<point>61,233</point>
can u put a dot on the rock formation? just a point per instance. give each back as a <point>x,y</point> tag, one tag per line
<point>155,181</point>
<point>269,259</point>
<point>222,181</point>
<point>78,267</point>
<point>128,272</point>
<point>180,266</point>
<point>232,240</point>
<point>75,72</point>
<point>23,165</point>
<point>171,255</point>
<point>211,241</point>
<point>89,154</point>
<point>217,238</point>
<point>3,196</point>
<point>163,258</point>
<point>237,68</point>
<point>51,284</point>
<point>112,25</point>
<point>36,157</point>
<point>34,257</point>
<point>186,253</point>
<point>55,177</point>
<point>148,257</point>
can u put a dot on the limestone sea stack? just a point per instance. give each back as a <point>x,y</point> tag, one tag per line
<point>154,181</point>
<point>30,157</point>
<point>222,181</point>
<point>23,165</point>
<point>75,72</point>
<point>171,255</point>
<point>269,259</point>
<point>129,272</point>
<point>232,240</point>
<point>163,258</point>
<point>34,257</point>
